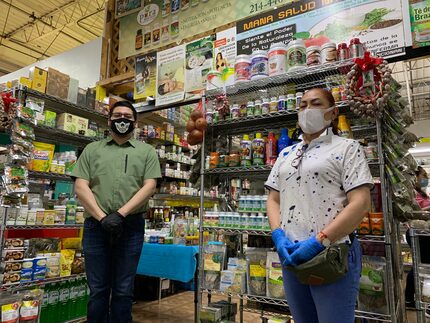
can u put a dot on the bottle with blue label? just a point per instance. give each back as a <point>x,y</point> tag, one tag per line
<point>284,140</point>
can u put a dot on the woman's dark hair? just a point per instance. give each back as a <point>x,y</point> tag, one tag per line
<point>161,90</point>
<point>126,104</point>
<point>420,171</point>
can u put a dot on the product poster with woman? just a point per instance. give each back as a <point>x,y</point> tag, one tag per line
<point>198,63</point>
<point>146,76</point>
<point>170,75</point>
<point>225,54</point>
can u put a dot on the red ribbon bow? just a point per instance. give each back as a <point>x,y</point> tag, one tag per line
<point>7,100</point>
<point>367,62</point>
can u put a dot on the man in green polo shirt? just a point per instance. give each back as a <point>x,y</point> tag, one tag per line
<point>115,177</point>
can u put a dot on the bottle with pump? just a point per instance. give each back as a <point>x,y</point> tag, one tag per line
<point>271,149</point>
<point>284,140</point>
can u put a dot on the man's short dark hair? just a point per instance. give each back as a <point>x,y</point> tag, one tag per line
<point>126,104</point>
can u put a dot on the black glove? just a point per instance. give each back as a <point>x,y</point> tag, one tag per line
<point>113,222</point>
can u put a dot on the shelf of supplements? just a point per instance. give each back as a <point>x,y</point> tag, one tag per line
<point>156,119</point>
<point>177,197</point>
<point>59,106</point>
<point>50,176</point>
<point>44,227</point>
<point>267,122</point>
<point>222,230</point>
<point>19,286</point>
<point>158,141</point>
<point>283,302</point>
<point>278,85</point>
<point>170,161</point>
<point>52,135</point>
<point>153,107</point>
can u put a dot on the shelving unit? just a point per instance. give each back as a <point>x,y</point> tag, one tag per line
<point>50,176</point>
<point>40,282</point>
<point>178,197</point>
<point>307,78</point>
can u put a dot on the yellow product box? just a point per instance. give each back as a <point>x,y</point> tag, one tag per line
<point>39,78</point>
<point>42,156</point>
<point>49,218</point>
<point>25,81</point>
<point>67,122</point>
<point>71,243</point>
<point>81,124</point>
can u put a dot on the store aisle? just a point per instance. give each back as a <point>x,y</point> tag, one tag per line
<point>178,308</point>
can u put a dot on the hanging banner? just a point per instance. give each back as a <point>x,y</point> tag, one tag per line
<point>162,22</point>
<point>225,54</point>
<point>170,75</point>
<point>379,24</point>
<point>198,62</point>
<point>420,22</point>
<point>146,76</point>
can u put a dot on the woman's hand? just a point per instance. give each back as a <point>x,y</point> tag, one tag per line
<point>284,246</point>
<point>306,250</point>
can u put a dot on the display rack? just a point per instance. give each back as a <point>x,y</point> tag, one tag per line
<point>324,75</point>
<point>50,176</point>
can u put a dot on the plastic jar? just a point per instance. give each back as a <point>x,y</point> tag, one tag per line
<point>259,65</point>
<point>250,109</point>
<point>356,48</point>
<point>296,55</point>
<point>243,221</point>
<point>263,205</point>
<point>277,59</point>
<point>253,221</point>
<point>265,106</point>
<point>291,102</point>
<point>273,106</point>
<point>282,103</point>
<point>242,68</point>
<point>328,53</point>
<point>342,51</point>
<point>61,168</point>
<point>209,116</point>
<point>257,108</point>
<point>214,80</point>
<point>299,96</point>
<point>235,111</point>
<point>313,55</point>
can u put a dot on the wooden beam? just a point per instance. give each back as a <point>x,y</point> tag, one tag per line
<point>117,80</point>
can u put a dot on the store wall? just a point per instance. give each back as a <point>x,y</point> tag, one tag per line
<point>81,63</point>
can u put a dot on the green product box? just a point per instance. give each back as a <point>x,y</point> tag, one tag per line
<point>50,118</point>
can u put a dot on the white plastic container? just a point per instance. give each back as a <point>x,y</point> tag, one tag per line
<point>235,111</point>
<point>328,53</point>
<point>259,65</point>
<point>242,68</point>
<point>214,80</point>
<point>299,96</point>
<point>313,55</point>
<point>296,55</point>
<point>277,59</point>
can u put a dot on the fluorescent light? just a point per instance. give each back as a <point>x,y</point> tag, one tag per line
<point>419,150</point>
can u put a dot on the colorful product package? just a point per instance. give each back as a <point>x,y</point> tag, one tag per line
<point>66,260</point>
<point>275,281</point>
<point>42,156</point>
<point>50,118</point>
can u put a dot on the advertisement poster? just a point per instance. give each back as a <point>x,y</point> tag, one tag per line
<point>225,54</point>
<point>198,62</point>
<point>420,22</point>
<point>146,76</point>
<point>170,75</point>
<point>126,7</point>
<point>379,24</point>
<point>162,22</point>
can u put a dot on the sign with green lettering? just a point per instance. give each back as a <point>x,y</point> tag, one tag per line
<point>420,22</point>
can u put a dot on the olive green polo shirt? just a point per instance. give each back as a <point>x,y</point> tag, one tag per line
<point>117,172</point>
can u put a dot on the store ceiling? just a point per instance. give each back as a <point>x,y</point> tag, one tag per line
<point>32,30</point>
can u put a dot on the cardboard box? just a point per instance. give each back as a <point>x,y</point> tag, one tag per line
<point>39,79</point>
<point>73,91</point>
<point>82,97</point>
<point>72,123</point>
<point>57,84</point>
<point>25,81</point>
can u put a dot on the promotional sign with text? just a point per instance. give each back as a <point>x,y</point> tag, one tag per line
<point>420,22</point>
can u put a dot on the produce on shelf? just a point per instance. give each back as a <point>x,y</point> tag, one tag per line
<point>196,127</point>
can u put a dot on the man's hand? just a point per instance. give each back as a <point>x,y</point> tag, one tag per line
<point>113,222</point>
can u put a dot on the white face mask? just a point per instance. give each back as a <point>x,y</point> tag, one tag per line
<point>312,120</point>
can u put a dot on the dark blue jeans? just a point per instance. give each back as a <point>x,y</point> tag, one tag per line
<point>111,266</point>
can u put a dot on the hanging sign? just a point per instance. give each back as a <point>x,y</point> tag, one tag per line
<point>145,77</point>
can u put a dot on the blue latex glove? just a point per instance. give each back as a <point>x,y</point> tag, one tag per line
<point>306,251</point>
<point>284,246</point>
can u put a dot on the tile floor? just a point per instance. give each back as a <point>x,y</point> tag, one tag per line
<point>179,308</point>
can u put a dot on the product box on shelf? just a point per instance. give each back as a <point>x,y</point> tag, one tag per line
<point>10,278</point>
<point>39,79</point>
<point>10,266</point>
<point>57,84</point>
<point>72,123</point>
<point>25,81</point>
<point>72,95</point>
<point>82,97</point>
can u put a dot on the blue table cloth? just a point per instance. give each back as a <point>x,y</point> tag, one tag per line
<point>175,262</point>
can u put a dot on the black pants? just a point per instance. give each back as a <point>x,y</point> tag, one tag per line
<point>424,243</point>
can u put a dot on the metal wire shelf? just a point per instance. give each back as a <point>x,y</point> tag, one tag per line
<point>158,141</point>
<point>371,238</point>
<point>58,105</point>
<point>177,197</point>
<point>51,176</point>
<point>39,227</point>
<point>304,78</point>
<point>57,135</point>
<point>19,286</point>
<point>266,313</point>
<point>222,230</point>
<point>240,170</point>
<point>170,161</point>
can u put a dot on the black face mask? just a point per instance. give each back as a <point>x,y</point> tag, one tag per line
<point>122,126</point>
